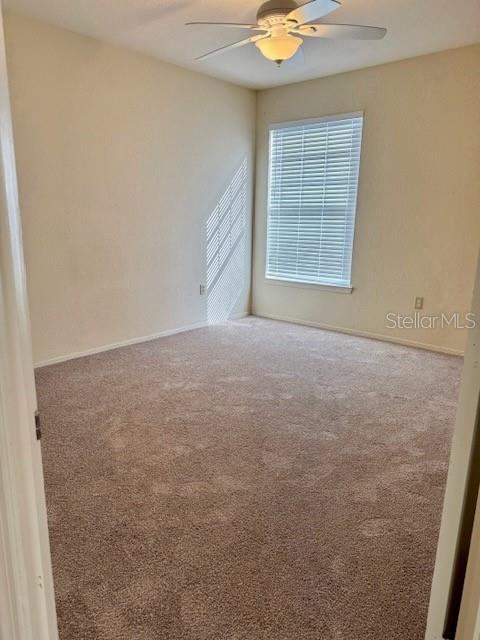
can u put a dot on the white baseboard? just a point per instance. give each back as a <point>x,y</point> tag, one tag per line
<point>238,316</point>
<point>125,343</point>
<point>117,345</point>
<point>365,334</point>
<point>121,343</point>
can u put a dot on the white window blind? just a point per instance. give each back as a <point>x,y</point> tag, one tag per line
<point>313,182</point>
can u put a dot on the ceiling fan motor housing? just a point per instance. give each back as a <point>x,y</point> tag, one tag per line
<point>283,21</point>
<point>274,12</point>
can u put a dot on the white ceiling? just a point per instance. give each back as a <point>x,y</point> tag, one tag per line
<point>157,27</point>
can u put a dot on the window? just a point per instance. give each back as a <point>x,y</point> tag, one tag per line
<point>312,198</point>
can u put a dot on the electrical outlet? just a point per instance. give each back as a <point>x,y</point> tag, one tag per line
<point>202,289</point>
<point>418,303</point>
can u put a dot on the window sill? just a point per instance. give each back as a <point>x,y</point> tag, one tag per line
<point>331,288</point>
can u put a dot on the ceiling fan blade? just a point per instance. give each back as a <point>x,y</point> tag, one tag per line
<point>312,11</point>
<point>235,25</point>
<point>234,45</point>
<point>352,31</point>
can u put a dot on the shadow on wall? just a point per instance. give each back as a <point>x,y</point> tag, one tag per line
<point>226,248</point>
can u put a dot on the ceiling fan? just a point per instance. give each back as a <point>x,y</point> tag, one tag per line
<point>283,23</point>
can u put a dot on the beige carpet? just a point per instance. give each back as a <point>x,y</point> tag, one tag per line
<point>250,481</point>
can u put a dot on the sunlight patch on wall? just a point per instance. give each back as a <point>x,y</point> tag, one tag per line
<point>226,248</point>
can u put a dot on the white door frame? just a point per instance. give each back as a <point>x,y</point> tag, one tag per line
<point>457,481</point>
<point>26,587</point>
<point>469,618</point>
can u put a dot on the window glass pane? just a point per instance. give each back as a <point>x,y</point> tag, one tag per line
<point>312,198</point>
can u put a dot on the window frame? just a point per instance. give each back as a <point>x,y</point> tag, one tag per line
<point>275,280</point>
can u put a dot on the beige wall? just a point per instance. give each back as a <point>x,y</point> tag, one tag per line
<point>418,216</point>
<point>121,160</point>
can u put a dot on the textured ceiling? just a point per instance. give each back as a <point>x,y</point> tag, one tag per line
<point>156,27</point>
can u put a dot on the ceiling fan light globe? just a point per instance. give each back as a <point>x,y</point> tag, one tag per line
<point>279,48</point>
